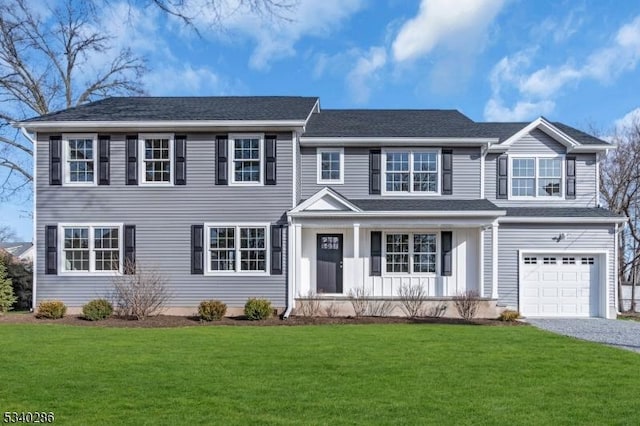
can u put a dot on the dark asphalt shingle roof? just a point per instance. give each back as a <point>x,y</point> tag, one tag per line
<point>188,108</point>
<point>594,212</point>
<point>405,204</point>
<point>16,248</point>
<point>389,123</point>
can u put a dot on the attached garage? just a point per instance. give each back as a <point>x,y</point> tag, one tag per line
<point>562,285</point>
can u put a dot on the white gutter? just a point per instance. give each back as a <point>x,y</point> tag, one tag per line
<point>402,213</point>
<point>160,124</point>
<point>386,141</point>
<point>556,219</point>
<point>34,284</point>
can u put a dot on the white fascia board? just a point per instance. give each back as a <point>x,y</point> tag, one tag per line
<point>421,213</point>
<point>560,220</point>
<point>389,222</point>
<point>391,141</point>
<point>326,191</point>
<point>546,127</point>
<point>592,148</point>
<point>160,124</point>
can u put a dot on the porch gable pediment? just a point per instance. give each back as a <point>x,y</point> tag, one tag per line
<point>326,200</point>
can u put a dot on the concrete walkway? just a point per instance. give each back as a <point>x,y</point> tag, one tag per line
<point>619,333</point>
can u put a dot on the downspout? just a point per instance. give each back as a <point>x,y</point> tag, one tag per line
<point>34,226</point>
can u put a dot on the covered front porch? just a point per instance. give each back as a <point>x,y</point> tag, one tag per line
<point>339,249</point>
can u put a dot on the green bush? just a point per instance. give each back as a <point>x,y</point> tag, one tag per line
<point>210,310</point>
<point>97,309</point>
<point>509,315</point>
<point>51,310</point>
<point>257,309</point>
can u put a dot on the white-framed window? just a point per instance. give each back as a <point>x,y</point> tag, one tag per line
<point>330,165</point>
<point>239,248</point>
<point>156,158</point>
<point>536,176</point>
<point>80,152</point>
<point>410,253</point>
<point>90,248</point>
<point>413,172</point>
<point>246,154</point>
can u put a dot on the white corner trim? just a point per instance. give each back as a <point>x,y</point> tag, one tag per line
<point>494,261</point>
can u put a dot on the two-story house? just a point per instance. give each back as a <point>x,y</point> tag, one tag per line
<point>236,197</point>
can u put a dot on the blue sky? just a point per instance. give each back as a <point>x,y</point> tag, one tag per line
<point>495,60</point>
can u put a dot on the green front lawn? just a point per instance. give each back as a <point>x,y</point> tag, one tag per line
<point>364,374</point>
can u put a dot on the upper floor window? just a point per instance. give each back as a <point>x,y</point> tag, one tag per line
<point>536,177</point>
<point>246,159</point>
<point>411,171</point>
<point>157,158</point>
<point>91,248</point>
<point>330,166</point>
<point>80,159</point>
<point>234,248</point>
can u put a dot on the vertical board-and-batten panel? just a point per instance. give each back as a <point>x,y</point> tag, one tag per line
<point>466,174</point>
<point>523,237</point>
<point>163,216</point>
<point>539,143</point>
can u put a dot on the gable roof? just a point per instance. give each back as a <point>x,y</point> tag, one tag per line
<point>187,108</point>
<point>389,123</point>
<point>16,249</point>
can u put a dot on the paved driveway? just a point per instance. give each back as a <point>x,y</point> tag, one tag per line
<point>618,333</point>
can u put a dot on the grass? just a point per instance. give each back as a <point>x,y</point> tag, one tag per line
<point>378,374</point>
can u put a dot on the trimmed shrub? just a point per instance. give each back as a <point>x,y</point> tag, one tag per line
<point>257,309</point>
<point>211,310</point>
<point>509,315</point>
<point>97,309</point>
<point>54,309</point>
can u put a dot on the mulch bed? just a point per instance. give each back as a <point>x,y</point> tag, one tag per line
<point>180,321</point>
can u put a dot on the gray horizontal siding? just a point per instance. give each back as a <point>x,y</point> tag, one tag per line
<point>163,217</point>
<point>586,177</point>
<point>514,237</point>
<point>537,142</point>
<point>466,173</point>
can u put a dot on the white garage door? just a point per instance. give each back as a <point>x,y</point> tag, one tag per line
<point>559,285</point>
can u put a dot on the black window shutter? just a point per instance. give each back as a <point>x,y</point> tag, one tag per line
<point>132,160</point>
<point>376,253</point>
<point>571,178</point>
<point>222,171</point>
<point>270,160</point>
<point>374,171</point>
<point>502,176</point>
<point>180,158</point>
<point>104,150</point>
<point>55,160</point>
<point>130,249</point>
<point>446,237</point>
<point>51,249</point>
<point>447,171</point>
<point>197,249</point>
<point>276,249</point>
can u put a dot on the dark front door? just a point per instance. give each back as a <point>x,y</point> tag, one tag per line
<point>329,263</point>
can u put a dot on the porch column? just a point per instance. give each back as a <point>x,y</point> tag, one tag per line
<point>357,278</point>
<point>481,260</point>
<point>297,258</point>
<point>494,258</point>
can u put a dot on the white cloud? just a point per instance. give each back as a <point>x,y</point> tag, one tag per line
<point>443,22</point>
<point>365,73</point>
<point>276,38</point>
<point>494,110</point>
<point>560,30</point>
<point>191,81</point>
<point>629,120</point>
<point>537,89</point>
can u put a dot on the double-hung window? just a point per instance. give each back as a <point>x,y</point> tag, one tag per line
<point>80,159</point>
<point>247,156</point>
<point>330,165</point>
<point>410,253</point>
<point>91,248</point>
<point>157,159</point>
<point>238,248</point>
<point>536,177</point>
<point>411,172</point>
